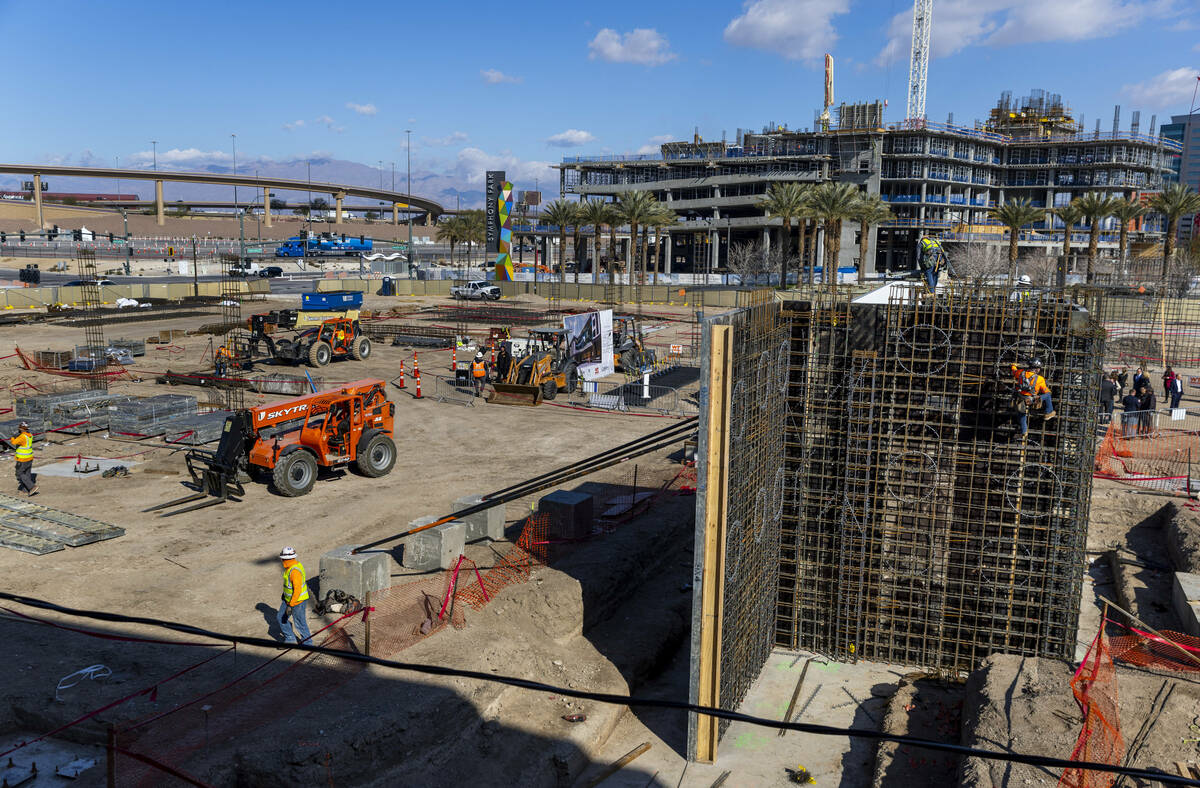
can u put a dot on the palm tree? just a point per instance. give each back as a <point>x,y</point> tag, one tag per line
<point>1174,201</point>
<point>870,210</point>
<point>613,220</point>
<point>595,213</point>
<point>576,221</point>
<point>450,232</point>
<point>832,203</point>
<point>636,208</point>
<point>785,200</point>
<point>1125,212</point>
<point>474,229</point>
<point>560,213</point>
<point>1095,207</point>
<point>1069,215</point>
<point>1014,215</point>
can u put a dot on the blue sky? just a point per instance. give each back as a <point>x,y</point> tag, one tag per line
<point>489,85</point>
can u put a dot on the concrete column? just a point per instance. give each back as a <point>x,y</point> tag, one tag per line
<point>37,198</point>
<point>429,220</point>
<point>158,203</point>
<point>266,206</point>
<point>670,254</point>
<point>395,213</point>
<point>338,210</point>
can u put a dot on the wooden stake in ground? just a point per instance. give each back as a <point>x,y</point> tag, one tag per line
<point>787,715</point>
<point>618,764</point>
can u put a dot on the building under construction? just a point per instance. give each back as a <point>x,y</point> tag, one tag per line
<point>865,493</point>
<point>938,178</point>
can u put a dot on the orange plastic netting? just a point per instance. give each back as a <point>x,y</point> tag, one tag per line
<point>1147,454</point>
<point>1095,688</point>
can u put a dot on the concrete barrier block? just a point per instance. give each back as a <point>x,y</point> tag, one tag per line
<point>1186,598</point>
<point>354,573</point>
<point>570,513</point>
<point>488,524</point>
<point>436,548</point>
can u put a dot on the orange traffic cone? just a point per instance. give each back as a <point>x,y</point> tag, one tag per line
<point>454,358</point>
<point>401,385</point>
<point>418,395</point>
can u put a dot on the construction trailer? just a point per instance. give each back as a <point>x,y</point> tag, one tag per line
<point>863,492</point>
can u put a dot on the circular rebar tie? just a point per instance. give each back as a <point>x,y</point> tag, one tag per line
<point>1017,489</point>
<point>902,465</point>
<point>908,338</point>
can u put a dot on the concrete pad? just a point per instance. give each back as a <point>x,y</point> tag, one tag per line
<point>354,573</point>
<point>488,524</point>
<point>1186,599</point>
<point>66,468</point>
<point>437,548</point>
<point>570,513</point>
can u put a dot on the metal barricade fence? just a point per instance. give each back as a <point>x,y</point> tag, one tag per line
<point>1150,448</point>
<point>447,389</point>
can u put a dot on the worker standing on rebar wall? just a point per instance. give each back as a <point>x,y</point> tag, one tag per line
<point>479,373</point>
<point>295,597</point>
<point>23,443</point>
<point>221,360</point>
<point>1030,384</point>
<point>931,258</point>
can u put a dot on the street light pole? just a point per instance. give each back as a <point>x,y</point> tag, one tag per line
<point>125,218</point>
<point>235,193</point>
<point>408,153</point>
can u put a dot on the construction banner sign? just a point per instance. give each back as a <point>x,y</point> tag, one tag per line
<point>590,343</point>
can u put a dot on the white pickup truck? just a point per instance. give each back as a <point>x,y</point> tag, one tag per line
<point>479,289</point>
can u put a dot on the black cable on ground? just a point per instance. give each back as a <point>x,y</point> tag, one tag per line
<point>619,700</point>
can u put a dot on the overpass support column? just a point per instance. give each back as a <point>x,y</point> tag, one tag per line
<point>337,219</point>
<point>429,220</point>
<point>266,206</point>
<point>395,213</point>
<point>158,203</point>
<point>37,198</point>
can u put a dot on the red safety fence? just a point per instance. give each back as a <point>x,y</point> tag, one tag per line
<point>1163,650</point>
<point>1150,449</point>
<point>1094,686</point>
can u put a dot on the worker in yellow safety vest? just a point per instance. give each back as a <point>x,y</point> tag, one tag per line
<point>23,443</point>
<point>295,597</point>
<point>479,373</point>
<point>221,360</point>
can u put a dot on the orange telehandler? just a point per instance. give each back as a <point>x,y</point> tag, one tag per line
<point>290,442</point>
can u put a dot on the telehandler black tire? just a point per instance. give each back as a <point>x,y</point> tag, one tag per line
<point>319,354</point>
<point>360,349</point>
<point>376,456</point>
<point>295,474</point>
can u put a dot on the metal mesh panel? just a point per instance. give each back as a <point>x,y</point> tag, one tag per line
<point>93,325</point>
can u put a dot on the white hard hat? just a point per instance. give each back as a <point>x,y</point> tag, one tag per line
<point>479,356</point>
<point>287,553</point>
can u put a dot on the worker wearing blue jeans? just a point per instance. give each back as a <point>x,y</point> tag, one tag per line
<point>295,599</point>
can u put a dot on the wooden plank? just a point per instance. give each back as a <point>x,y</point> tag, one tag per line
<point>712,584</point>
<point>27,543</point>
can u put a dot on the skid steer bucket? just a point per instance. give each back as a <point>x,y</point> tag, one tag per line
<point>514,394</point>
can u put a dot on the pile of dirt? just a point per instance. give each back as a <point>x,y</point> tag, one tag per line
<point>1183,539</point>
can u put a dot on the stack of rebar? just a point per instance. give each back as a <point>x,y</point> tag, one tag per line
<point>150,415</point>
<point>196,430</point>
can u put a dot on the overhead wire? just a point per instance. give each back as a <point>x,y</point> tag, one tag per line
<point>611,698</point>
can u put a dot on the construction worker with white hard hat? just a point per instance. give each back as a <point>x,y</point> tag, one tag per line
<point>295,598</point>
<point>479,373</point>
<point>23,443</point>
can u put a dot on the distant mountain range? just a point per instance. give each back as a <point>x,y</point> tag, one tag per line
<point>447,190</point>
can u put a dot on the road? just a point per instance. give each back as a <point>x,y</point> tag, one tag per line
<point>286,285</point>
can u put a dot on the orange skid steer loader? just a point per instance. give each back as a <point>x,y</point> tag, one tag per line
<point>290,442</point>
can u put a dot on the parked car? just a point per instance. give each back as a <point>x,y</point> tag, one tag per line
<point>270,271</point>
<point>84,282</point>
<point>478,289</point>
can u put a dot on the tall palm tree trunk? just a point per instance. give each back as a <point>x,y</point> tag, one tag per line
<point>1169,245</point>
<point>1093,248</point>
<point>596,253</point>
<point>864,240</point>
<point>645,258</point>
<point>1122,244</point>
<point>562,253</point>
<point>786,248</point>
<point>1013,237</point>
<point>801,232</point>
<point>575,241</point>
<point>1061,275</point>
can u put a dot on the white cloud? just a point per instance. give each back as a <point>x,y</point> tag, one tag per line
<point>1169,90</point>
<point>654,144</point>
<point>361,109</point>
<point>570,138</point>
<point>796,29</point>
<point>958,24</point>
<point>643,46</point>
<point>453,138</point>
<point>187,157</point>
<point>472,163</point>
<point>494,77</point>
<point>295,124</point>
<point>330,124</point>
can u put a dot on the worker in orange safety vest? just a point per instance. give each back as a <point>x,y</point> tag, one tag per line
<point>479,373</point>
<point>295,597</point>
<point>1030,384</point>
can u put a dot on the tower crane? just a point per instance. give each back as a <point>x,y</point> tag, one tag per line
<point>918,65</point>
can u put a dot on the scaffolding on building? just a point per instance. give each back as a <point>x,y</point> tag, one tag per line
<point>236,343</point>
<point>95,352</point>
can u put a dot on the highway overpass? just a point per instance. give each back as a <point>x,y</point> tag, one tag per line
<point>338,191</point>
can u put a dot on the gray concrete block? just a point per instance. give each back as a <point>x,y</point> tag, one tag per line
<point>488,524</point>
<point>437,548</point>
<point>1186,597</point>
<point>354,574</point>
<point>570,513</point>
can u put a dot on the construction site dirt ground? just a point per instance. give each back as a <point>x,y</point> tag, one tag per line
<point>610,614</point>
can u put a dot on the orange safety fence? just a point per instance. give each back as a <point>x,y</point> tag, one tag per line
<point>1150,449</point>
<point>1094,686</point>
<point>1160,650</point>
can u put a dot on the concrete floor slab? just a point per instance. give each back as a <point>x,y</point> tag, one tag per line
<point>66,468</point>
